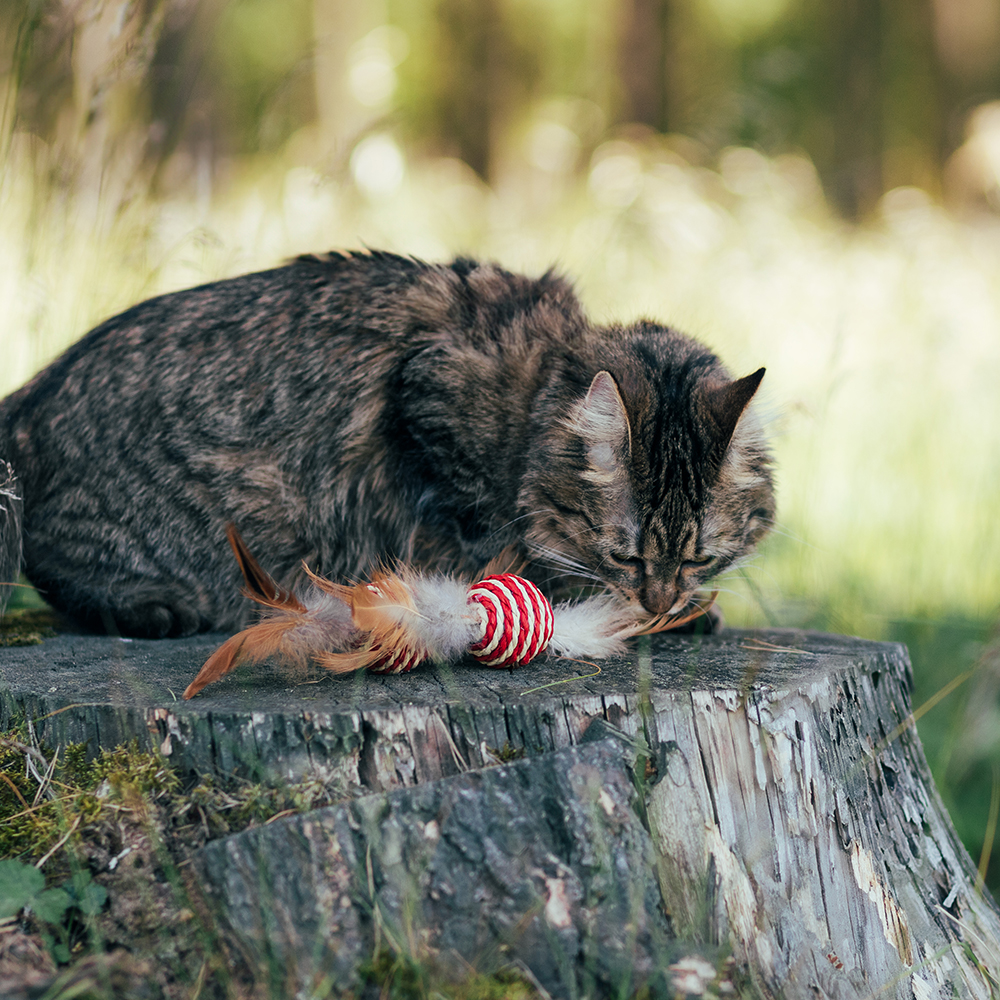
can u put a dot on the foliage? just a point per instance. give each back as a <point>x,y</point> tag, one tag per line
<point>400,977</point>
<point>23,886</point>
<point>63,910</point>
<point>45,800</point>
<point>874,95</point>
<point>125,815</point>
<point>218,811</point>
<point>27,627</point>
<point>506,753</point>
<point>78,796</point>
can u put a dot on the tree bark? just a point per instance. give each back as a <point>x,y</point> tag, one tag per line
<point>642,62</point>
<point>763,792</point>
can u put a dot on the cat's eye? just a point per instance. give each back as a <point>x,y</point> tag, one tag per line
<point>757,525</point>
<point>631,563</point>
<point>698,563</point>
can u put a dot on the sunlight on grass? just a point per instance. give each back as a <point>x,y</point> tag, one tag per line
<point>881,343</point>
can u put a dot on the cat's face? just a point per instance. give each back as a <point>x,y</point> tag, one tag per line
<point>659,491</point>
<point>660,558</point>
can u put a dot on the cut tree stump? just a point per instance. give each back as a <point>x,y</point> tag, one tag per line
<point>763,792</point>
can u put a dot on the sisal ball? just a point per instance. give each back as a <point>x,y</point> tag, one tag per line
<point>399,661</point>
<point>517,621</point>
<point>395,661</point>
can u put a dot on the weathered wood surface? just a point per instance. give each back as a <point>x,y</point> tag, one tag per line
<point>544,861</point>
<point>376,732</point>
<point>787,804</point>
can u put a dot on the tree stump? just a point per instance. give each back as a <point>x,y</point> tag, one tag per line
<point>763,792</point>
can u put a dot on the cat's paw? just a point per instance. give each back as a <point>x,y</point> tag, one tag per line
<point>157,620</point>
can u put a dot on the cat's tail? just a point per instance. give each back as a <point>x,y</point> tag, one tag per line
<point>10,532</point>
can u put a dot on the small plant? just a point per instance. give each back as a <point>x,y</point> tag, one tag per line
<point>506,753</point>
<point>400,977</point>
<point>27,626</point>
<point>66,912</point>
<point>46,800</point>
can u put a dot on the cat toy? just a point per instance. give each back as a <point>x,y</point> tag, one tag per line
<point>402,618</point>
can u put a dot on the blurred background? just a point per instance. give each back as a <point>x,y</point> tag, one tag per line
<point>811,185</point>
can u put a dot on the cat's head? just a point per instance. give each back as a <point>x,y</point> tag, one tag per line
<point>658,477</point>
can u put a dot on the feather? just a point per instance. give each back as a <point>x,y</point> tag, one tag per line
<point>294,635</point>
<point>260,585</point>
<point>508,560</point>
<point>591,628</point>
<point>217,665</point>
<point>382,612</point>
<point>295,629</point>
<point>399,619</point>
<point>447,624</point>
<point>253,644</point>
<point>665,622</point>
<point>599,626</point>
<point>417,618</point>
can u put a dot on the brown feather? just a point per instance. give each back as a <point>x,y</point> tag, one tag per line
<point>508,560</point>
<point>377,615</point>
<point>341,591</point>
<point>251,645</point>
<point>260,585</point>
<point>376,606</point>
<point>218,664</point>
<point>346,663</point>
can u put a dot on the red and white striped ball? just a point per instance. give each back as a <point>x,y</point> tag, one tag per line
<point>400,661</point>
<point>517,621</point>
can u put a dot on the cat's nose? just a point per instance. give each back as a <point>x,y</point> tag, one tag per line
<point>659,596</point>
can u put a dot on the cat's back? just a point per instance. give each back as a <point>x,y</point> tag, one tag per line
<point>349,308</point>
<point>219,329</point>
<point>226,358</point>
<point>277,359</point>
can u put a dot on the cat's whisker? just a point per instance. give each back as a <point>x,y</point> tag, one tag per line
<point>737,596</point>
<point>780,528</point>
<point>559,561</point>
<point>596,529</point>
<point>790,535</point>
<point>547,551</point>
<point>577,573</point>
<point>520,517</point>
<point>562,559</point>
<point>739,564</point>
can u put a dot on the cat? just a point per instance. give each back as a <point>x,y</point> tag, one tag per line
<point>354,409</point>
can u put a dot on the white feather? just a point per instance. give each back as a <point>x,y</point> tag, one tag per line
<point>445,621</point>
<point>592,627</point>
<point>324,626</point>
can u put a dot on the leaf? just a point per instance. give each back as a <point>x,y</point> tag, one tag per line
<point>19,884</point>
<point>91,901</point>
<point>77,885</point>
<point>85,894</point>
<point>51,904</point>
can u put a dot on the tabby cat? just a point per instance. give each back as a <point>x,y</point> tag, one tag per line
<point>362,408</point>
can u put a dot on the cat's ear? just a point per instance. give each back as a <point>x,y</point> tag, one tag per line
<point>724,405</point>
<point>602,422</point>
